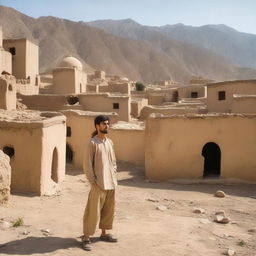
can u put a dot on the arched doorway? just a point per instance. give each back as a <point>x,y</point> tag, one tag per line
<point>69,154</point>
<point>212,157</point>
<point>54,173</point>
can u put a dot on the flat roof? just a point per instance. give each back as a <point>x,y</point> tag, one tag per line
<point>29,118</point>
<point>200,116</point>
<point>253,81</point>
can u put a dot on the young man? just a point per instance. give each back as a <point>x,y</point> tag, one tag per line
<point>100,170</point>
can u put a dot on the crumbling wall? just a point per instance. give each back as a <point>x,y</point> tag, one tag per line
<point>5,178</point>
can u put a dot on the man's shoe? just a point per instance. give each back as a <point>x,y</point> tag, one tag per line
<point>86,245</point>
<point>108,238</point>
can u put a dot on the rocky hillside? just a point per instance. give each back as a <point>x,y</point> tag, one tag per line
<point>156,57</point>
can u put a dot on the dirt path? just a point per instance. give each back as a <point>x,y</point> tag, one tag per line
<point>142,229</point>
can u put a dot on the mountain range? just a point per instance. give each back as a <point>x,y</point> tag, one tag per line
<point>138,52</point>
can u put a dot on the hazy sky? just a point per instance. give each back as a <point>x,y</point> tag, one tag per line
<point>239,14</point>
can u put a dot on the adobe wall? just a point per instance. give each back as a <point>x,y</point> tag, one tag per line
<point>137,105</point>
<point>244,104</point>
<point>129,143</point>
<point>19,59</point>
<point>5,61</point>
<point>49,102</point>
<point>81,124</point>
<point>174,144</point>
<point>104,102</point>
<point>5,178</point>
<point>26,87</point>
<point>33,141</point>
<point>53,162</point>
<point>123,88</point>
<point>186,91</point>
<point>7,92</point>
<point>246,87</point>
<point>32,61</point>
<point>148,110</point>
<point>69,80</point>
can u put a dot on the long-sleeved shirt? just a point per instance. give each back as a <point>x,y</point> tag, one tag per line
<point>100,163</point>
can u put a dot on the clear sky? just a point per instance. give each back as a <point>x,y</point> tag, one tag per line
<point>239,14</point>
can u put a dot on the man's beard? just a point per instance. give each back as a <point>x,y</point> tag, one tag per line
<point>105,131</point>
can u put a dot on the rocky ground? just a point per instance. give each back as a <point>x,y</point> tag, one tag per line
<point>151,219</point>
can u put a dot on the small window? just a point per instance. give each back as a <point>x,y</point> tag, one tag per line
<point>222,95</point>
<point>194,94</point>
<point>68,131</point>
<point>115,105</point>
<point>10,87</point>
<point>9,151</point>
<point>12,50</point>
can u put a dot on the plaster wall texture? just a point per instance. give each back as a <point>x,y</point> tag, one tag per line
<point>137,106</point>
<point>246,87</point>
<point>69,80</point>
<point>25,62</point>
<point>44,102</point>
<point>92,88</point>
<point>5,61</point>
<point>124,88</point>
<point>5,178</point>
<point>27,88</point>
<point>1,37</point>
<point>173,147</point>
<point>33,144</point>
<point>148,110</point>
<point>104,102</point>
<point>81,124</point>
<point>186,91</point>
<point>7,93</point>
<point>129,145</point>
<point>99,74</point>
<point>245,104</point>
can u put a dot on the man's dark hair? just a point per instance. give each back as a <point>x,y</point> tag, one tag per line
<point>98,120</point>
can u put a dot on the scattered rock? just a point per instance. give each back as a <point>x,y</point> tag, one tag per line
<point>230,252</point>
<point>199,210</point>
<point>25,232</point>
<point>152,200</point>
<point>220,193</point>
<point>221,219</point>
<point>161,208</point>
<point>205,221</point>
<point>5,225</point>
<point>252,230</point>
<point>220,213</point>
<point>46,232</point>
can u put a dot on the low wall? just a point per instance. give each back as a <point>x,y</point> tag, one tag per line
<point>129,144</point>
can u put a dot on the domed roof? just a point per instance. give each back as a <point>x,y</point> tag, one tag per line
<point>70,62</point>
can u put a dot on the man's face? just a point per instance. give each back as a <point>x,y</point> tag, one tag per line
<point>103,127</point>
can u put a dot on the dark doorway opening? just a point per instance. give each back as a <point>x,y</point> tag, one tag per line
<point>212,157</point>
<point>54,173</point>
<point>69,154</point>
<point>9,151</point>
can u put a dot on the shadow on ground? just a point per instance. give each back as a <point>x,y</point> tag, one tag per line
<point>134,176</point>
<point>32,245</point>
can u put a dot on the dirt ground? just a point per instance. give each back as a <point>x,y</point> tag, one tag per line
<point>53,224</point>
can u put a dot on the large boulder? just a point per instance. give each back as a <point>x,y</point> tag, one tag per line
<point>5,178</point>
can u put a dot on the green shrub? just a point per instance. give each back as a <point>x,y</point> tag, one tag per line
<point>139,86</point>
<point>17,223</point>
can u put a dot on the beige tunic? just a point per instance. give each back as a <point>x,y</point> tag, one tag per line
<point>100,163</point>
